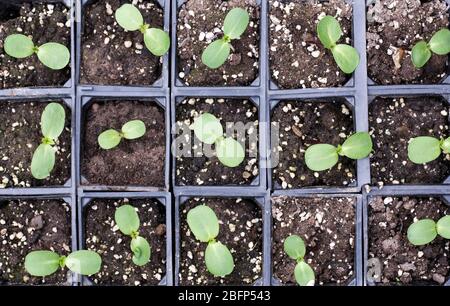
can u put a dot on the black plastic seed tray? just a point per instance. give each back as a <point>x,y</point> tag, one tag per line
<point>164,198</point>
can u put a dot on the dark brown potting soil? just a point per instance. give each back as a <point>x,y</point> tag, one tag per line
<point>43,23</point>
<point>103,236</point>
<point>302,124</point>
<point>327,226</point>
<point>393,28</point>
<point>20,130</point>
<point>113,56</point>
<point>393,122</point>
<point>393,260</point>
<point>200,22</point>
<point>297,57</point>
<point>240,230</point>
<point>32,225</point>
<point>198,167</point>
<point>133,162</point>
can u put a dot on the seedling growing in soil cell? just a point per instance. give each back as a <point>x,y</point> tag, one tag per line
<point>130,18</point>
<point>52,125</point>
<point>424,149</point>
<point>43,263</point>
<point>53,55</point>
<point>439,44</point>
<point>294,246</point>
<point>208,129</point>
<point>131,130</point>
<point>234,25</point>
<point>204,225</point>
<point>425,231</point>
<point>329,32</point>
<point>320,157</point>
<point>128,222</point>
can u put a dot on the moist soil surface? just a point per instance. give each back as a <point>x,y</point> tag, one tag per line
<point>393,28</point>
<point>43,23</point>
<point>113,56</point>
<point>133,162</point>
<point>240,230</point>
<point>103,236</point>
<point>393,122</point>
<point>32,225</point>
<point>302,124</point>
<point>202,169</point>
<point>297,57</point>
<point>200,22</point>
<point>327,225</point>
<point>401,262</point>
<point>20,130</point>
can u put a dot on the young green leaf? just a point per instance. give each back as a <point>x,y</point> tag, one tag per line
<point>133,129</point>
<point>19,46</point>
<point>127,219</point>
<point>207,128</point>
<point>440,42</point>
<point>320,157</point>
<point>235,23</point>
<point>443,227</point>
<point>42,263</point>
<point>53,55</point>
<point>141,251</point>
<point>230,152</point>
<point>216,53</point>
<point>52,121</point>
<point>421,54</point>
<point>294,246</point>
<point>203,223</point>
<point>43,161</point>
<point>304,274</point>
<point>218,259</point>
<point>357,146</point>
<point>445,146</point>
<point>129,17</point>
<point>157,41</point>
<point>422,232</point>
<point>423,149</point>
<point>329,31</point>
<point>109,139</point>
<point>84,262</point>
<point>347,58</point>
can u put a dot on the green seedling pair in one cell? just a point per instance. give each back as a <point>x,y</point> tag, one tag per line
<point>130,18</point>
<point>320,157</point>
<point>131,130</point>
<point>203,223</point>
<point>438,44</point>
<point>294,247</point>
<point>208,129</point>
<point>234,26</point>
<point>426,230</point>
<point>425,149</point>
<point>53,55</point>
<point>128,222</point>
<point>44,263</point>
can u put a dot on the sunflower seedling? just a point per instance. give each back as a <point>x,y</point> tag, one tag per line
<point>53,55</point>
<point>128,222</point>
<point>426,230</point>
<point>43,263</point>
<point>439,44</point>
<point>329,32</point>
<point>130,18</point>
<point>234,26</point>
<point>204,225</point>
<point>424,149</point>
<point>208,129</point>
<point>52,124</point>
<point>294,247</point>
<point>320,157</point>
<point>131,130</point>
